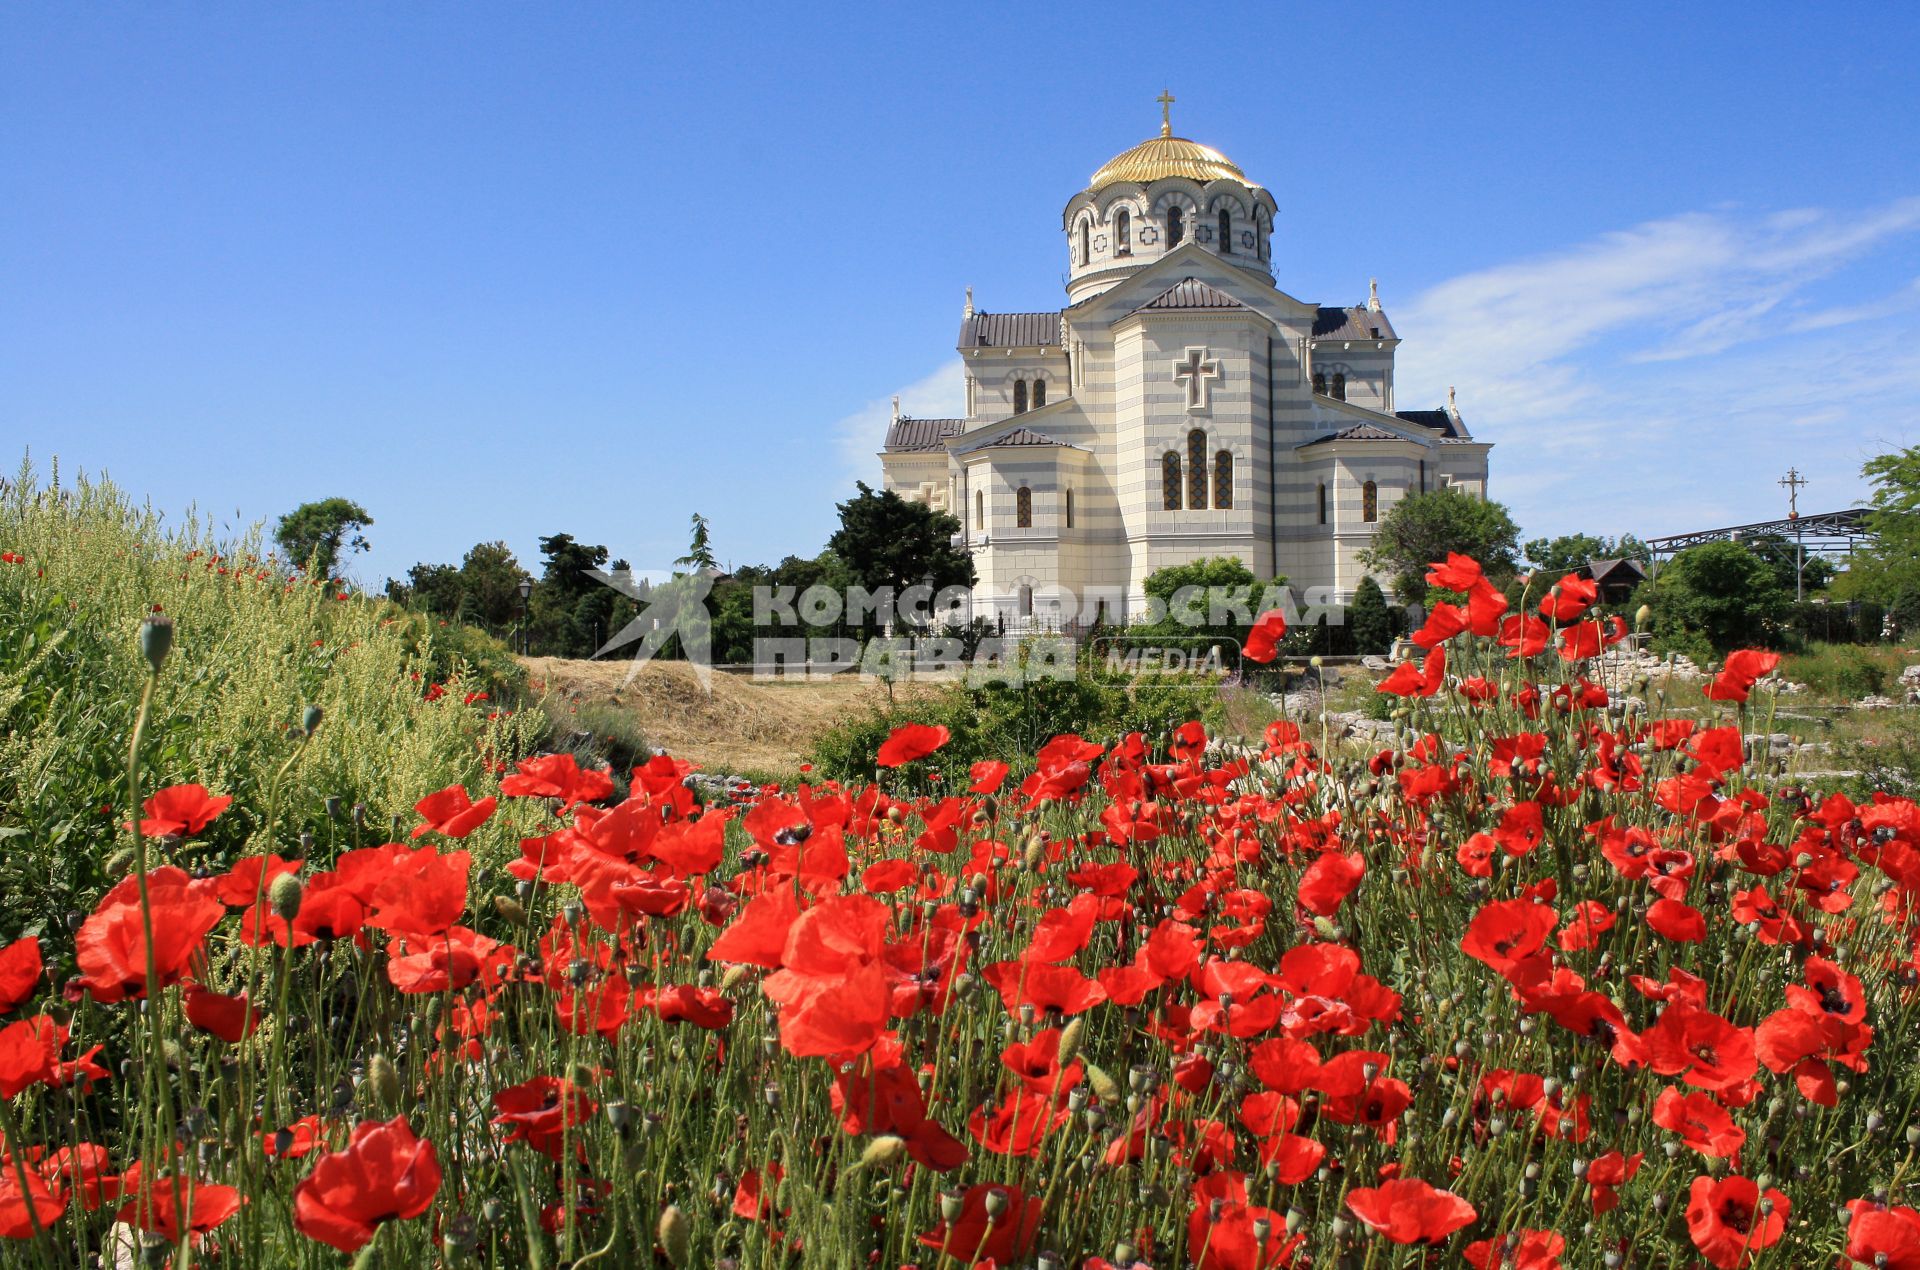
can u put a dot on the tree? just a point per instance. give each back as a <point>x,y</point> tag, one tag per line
<point>1887,570</point>
<point>490,580</point>
<point>700,550</point>
<point>1423,528</point>
<point>314,534</point>
<point>889,541</point>
<point>1783,556</point>
<point>1721,592</point>
<point>1215,586</point>
<point>1374,622</point>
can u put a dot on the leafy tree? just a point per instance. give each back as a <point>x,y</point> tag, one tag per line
<point>885,540</point>
<point>700,550</point>
<point>1887,571</point>
<point>1721,592</point>
<point>1423,528</point>
<point>1782,556</point>
<point>490,580</point>
<point>1221,578</point>
<point>1562,555</point>
<point>1374,622</point>
<point>314,534</point>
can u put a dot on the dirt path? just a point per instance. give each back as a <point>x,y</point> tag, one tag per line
<point>743,725</point>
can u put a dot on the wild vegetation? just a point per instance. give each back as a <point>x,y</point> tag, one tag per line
<point>1544,982</point>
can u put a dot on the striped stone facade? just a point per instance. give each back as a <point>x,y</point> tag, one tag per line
<point>1183,350</point>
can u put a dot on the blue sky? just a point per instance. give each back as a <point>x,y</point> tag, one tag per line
<point>498,271</point>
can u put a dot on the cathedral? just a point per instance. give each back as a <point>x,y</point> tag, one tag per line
<point>1179,406</point>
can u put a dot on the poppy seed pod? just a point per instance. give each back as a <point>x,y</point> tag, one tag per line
<point>310,719</point>
<point>156,639</point>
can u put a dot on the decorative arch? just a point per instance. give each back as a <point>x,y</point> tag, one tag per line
<point>1197,469</point>
<point>1370,502</point>
<point>1226,232</point>
<point>1320,382</point>
<point>1223,480</point>
<point>1176,226</point>
<point>1086,240</point>
<point>1170,480</point>
<point>1023,508</point>
<point>1019,396</point>
<point>1339,386</point>
<point>1039,392</point>
<point>1123,233</point>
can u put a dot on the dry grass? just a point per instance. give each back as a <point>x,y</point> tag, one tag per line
<point>742,725</point>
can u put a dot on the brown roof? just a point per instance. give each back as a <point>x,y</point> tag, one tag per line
<point>1010,330</point>
<point>1017,436</point>
<point>1356,323</point>
<point>906,436</point>
<point>1442,421</point>
<point>1358,432</point>
<point>1191,293</point>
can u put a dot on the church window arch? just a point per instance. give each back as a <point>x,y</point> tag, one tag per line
<point>1123,233</point>
<point>1369,502</point>
<point>1170,480</point>
<point>1323,502</point>
<point>1320,382</point>
<point>1026,601</point>
<point>1039,393</point>
<point>1223,480</point>
<point>1196,469</point>
<point>1226,232</point>
<point>1068,506</point>
<point>979,511</point>
<point>1086,242</point>
<point>1019,396</point>
<point>1176,227</point>
<point>1023,508</point>
<point>1339,387</point>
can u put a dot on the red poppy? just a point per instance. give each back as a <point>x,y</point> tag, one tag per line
<point>1568,598</point>
<point>158,1210</point>
<point>385,1173</point>
<point>1409,1211</point>
<point>1221,1232</point>
<point>227,1017</point>
<point>247,881</point>
<point>1731,1219</point>
<point>987,776</point>
<point>1443,623</point>
<point>834,992</point>
<point>452,813</point>
<point>911,741</point>
<point>1744,668</point>
<point>978,1237</point>
<point>1681,923</point>
<point>1607,1174</point>
<point>25,1213</point>
<point>29,1054</point>
<point>20,970</point>
<point>1407,680</point>
<point>1457,573</point>
<point>1329,880</point>
<point>1702,1123</point>
<point>540,1111</point>
<point>181,811</point>
<point>557,776</point>
<point>1506,932</point>
<point>1883,1235</point>
<point>111,946</point>
<point>1521,1250</point>
<point>1263,640</point>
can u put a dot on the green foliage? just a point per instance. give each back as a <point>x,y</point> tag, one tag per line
<point>1214,597</point>
<point>1782,556</point>
<point>250,653</point>
<point>483,590</point>
<point>1887,571</point>
<point>1844,672</point>
<point>1423,528</point>
<point>885,540</point>
<point>1722,593</point>
<point>314,534</point>
<point>1556,557</point>
<point>1375,624</point>
<point>700,549</point>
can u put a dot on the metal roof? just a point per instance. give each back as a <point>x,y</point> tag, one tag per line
<point>1010,330</point>
<point>1445,422</point>
<point>909,435</point>
<point>1017,436</point>
<point>1191,293</point>
<point>1356,323</point>
<point>1359,432</point>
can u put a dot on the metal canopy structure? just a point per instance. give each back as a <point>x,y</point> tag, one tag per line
<point>1820,533</point>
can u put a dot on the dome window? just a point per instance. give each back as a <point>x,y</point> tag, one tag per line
<point>1123,234</point>
<point>1226,232</point>
<point>1019,396</point>
<point>1039,393</point>
<point>1176,227</point>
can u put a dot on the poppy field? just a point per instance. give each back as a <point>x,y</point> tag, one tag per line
<point>1550,981</point>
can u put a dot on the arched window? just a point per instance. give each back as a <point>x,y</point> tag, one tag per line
<point>1039,393</point>
<point>1069,508</point>
<point>1026,601</point>
<point>979,511</point>
<point>1320,382</point>
<point>1086,242</point>
<point>1196,469</point>
<point>1176,227</point>
<point>1023,508</point>
<point>1339,387</point>
<point>1323,502</point>
<point>1019,396</point>
<point>1226,232</point>
<point>1369,502</point>
<point>1170,481</point>
<point>1223,479</point>
<point>1123,233</point>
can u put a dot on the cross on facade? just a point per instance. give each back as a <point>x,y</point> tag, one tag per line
<point>1166,100</point>
<point>1195,372</point>
<point>1793,481</point>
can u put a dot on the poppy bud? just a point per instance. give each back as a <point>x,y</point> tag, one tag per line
<point>310,719</point>
<point>883,1152</point>
<point>283,896</point>
<point>156,639</point>
<point>676,1236</point>
<point>1104,1086</point>
<point>383,1080</point>
<point>119,862</point>
<point>510,909</point>
<point>1070,1039</point>
<point>1642,617</point>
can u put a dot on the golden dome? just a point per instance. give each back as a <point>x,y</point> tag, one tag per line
<point>1165,156</point>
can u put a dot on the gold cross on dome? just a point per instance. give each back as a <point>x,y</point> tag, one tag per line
<point>1166,100</point>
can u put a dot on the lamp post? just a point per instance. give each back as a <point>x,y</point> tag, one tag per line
<point>526,593</point>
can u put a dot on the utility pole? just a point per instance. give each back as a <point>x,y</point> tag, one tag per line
<point>1793,481</point>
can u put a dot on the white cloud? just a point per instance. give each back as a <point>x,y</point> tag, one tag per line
<point>1653,378</point>
<point>940,395</point>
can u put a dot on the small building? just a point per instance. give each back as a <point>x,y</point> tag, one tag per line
<point>1616,578</point>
